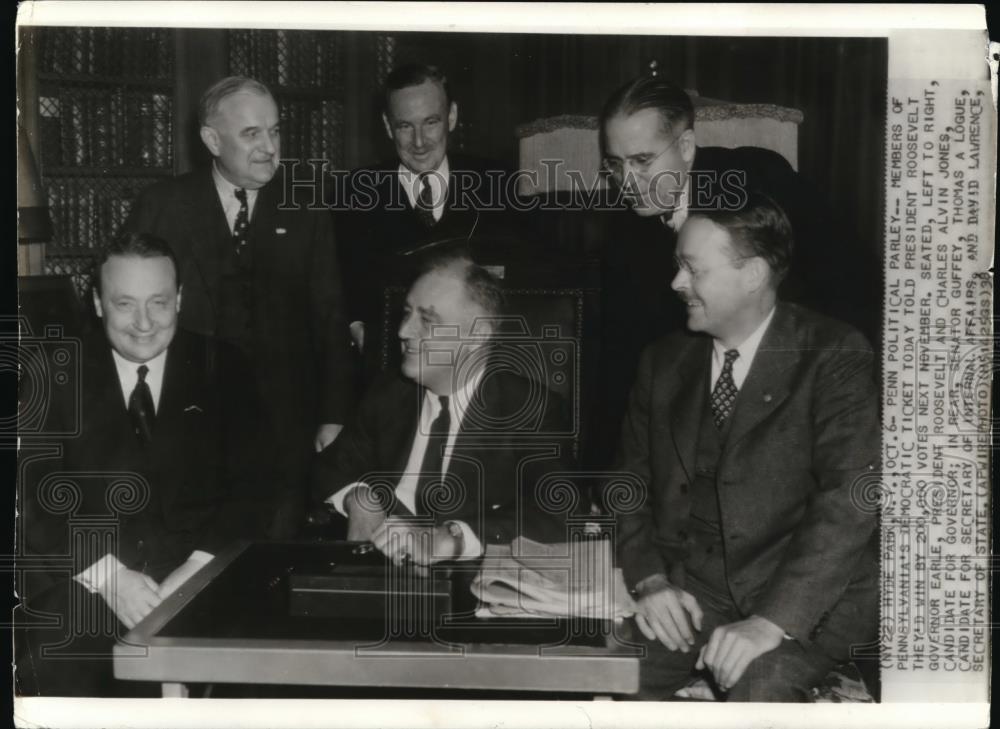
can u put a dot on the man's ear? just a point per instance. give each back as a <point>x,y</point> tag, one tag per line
<point>452,116</point>
<point>211,139</point>
<point>180,290</point>
<point>758,274</point>
<point>97,304</point>
<point>687,145</point>
<point>388,126</point>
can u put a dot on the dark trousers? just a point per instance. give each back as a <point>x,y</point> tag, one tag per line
<point>63,646</point>
<point>785,674</point>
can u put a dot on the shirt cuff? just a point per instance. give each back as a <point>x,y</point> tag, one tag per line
<point>201,557</point>
<point>337,499</point>
<point>94,577</point>
<point>472,548</point>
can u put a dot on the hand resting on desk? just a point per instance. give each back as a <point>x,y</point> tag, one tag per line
<point>131,595</point>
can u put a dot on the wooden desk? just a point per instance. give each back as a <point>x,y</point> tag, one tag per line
<point>230,624</point>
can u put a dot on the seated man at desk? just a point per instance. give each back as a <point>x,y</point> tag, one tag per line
<point>752,554</point>
<point>455,437</point>
<point>162,473</point>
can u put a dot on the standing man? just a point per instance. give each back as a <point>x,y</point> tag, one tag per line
<point>649,146</point>
<point>755,432</point>
<point>262,272</point>
<point>459,438</point>
<point>425,195</point>
<point>166,455</point>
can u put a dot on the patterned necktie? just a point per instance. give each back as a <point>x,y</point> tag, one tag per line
<point>432,466</point>
<point>140,407</point>
<point>724,394</point>
<point>242,221</point>
<point>425,203</point>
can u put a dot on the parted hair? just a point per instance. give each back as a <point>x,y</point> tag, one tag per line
<point>651,92</point>
<point>759,227</point>
<point>138,245</point>
<point>413,74</point>
<point>208,105</point>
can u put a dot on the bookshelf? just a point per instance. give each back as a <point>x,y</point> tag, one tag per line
<point>105,124</point>
<point>305,71</point>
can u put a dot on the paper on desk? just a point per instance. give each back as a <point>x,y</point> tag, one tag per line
<point>530,579</point>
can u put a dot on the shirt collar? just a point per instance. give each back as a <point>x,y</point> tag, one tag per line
<point>408,177</point>
<point>226,189</point>
<point>748,349</point>
<point>128,373</point>
<point>458,402</point>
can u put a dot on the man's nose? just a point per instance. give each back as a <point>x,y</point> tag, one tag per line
<point>269,144</point>
<point>143,321</point>
<point>679,282</point>
<point>418,137</point>
<point>406,328</point>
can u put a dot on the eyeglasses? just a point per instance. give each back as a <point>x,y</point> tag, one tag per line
<point>639,163</point>
<point>681,264</point>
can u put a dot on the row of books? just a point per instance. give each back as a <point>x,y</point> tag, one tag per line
<point>142,53</point>
<point>287,57</point>
<point>101,128</point>
<point>312,130</point>
<point>88,212</point>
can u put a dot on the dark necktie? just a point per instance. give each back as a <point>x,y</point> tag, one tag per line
<point>724,394</point>
<point>432,466</point>
<point>140,407</point>
<point>242,223</point>
<point>425,203</point>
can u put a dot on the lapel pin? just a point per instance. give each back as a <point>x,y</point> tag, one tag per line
<point>280,231</point>
<point>767,397</point>
<point>192,409</point>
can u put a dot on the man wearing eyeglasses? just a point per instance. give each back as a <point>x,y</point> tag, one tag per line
<point>650,149</point>
<point>752,557</point>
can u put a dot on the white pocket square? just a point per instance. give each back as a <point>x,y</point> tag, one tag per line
<point>280,231</point>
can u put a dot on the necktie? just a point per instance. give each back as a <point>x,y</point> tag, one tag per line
<point>432,466</point>
<point>242,221</point>
<point>425,203</point>
<point>140,407</point>
<point>724,394</point>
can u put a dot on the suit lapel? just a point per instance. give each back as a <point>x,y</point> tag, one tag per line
<point>209,228</point>
<point>685,402</point>
<point>767,383</point>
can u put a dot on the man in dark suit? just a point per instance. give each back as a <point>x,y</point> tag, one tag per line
<point>427,195</point>
<point>261,272</point>
<point>163,472</point>
<point>459,439</point>
<point>649,144</point>
<point>754,432</point>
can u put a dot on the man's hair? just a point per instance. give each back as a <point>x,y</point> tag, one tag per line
<point>137,245</point>
<point>651,92</point>
<point>413,74</point>
<point>758,228</point>
<point>208,105</point>
<point>481,286</point>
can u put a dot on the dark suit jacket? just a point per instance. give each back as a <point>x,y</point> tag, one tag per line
<point>638,306</point>
<point>376,221</point>
<point>197,485</point>
<point>300,344</point>
<point>804,431</point>
<point>505,476</point>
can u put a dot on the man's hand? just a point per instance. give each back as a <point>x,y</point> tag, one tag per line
<point>132,595</point>
<point>364,514</point>
<point>179,576</point>
<point>326,434</point>
<point>667,613</point>
<point>403,541</point>
<point>731,648</point>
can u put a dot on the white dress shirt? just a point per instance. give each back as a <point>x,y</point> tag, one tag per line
<point>406,489</point>
<point>227,196</point>
<point>747,350</point>
<point>438,180</point>
<point>94,576</point>
<point>680,212</point>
